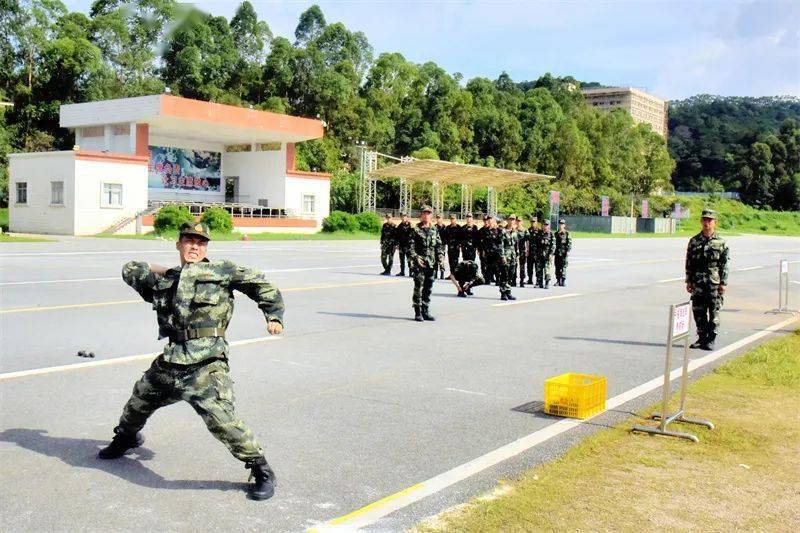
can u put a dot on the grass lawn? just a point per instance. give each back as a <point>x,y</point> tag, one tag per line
<point>15,238</point>
<point>741,476</point>
<point>321,236</point>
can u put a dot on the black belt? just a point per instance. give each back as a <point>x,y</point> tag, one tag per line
<point>197,333</point>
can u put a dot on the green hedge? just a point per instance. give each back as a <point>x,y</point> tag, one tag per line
<point>340,221</point>
<point>218,219</point>
<point>369,222</point>
<point>170,218</point>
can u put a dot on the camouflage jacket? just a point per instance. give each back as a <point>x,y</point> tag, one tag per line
<point>200,295</point>
<point>531,238</point>
<point>451,236</point>
<point>522,240</point>
<point>468,272</point>
<point>388,234</point>
<point>707,261</point>
<point>483,238</point>
<point>545,243</point>
<point>469,237</point>
<point>563,243</point>
<point>493,242</point>
<point>426,244</point>
<point>510,242</point>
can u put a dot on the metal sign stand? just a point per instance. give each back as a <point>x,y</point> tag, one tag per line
<point>783,290</point>
<point>679,329</point>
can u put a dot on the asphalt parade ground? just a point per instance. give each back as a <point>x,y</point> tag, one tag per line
<point>368,418</point>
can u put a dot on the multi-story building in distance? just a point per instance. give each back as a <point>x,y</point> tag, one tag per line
<point>643,107</point>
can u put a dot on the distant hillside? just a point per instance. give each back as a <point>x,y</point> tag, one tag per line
<point>712,140</point>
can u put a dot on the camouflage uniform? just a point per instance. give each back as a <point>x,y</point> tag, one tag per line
<point>193,306</point>
<point>388,245</point>
<point>495,250</point>
<point>706,270</point>
<point>469,242</point>
<point>531,259</point>
<point>424,244</point>
<point>483,247</point>
<point>442,236</point>
<point>522,254</point>
<point>451,238</point>
<point>563,245</point>
<point>511,246</point>
<point>402,233</point>
<point>545,245</point>
<point>468,272</point>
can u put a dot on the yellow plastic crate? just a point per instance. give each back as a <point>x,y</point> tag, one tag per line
<point>575,395</point>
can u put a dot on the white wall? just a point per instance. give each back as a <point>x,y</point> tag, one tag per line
<point>261,175</point>
<point>38,170</point>
<point>296,187</point>
<point>91,215</point>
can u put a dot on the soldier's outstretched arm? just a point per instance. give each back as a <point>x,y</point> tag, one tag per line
<point>254,284</point>
<point>140,277</point>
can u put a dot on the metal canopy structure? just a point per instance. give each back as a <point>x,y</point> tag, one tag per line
<point>441,173</point>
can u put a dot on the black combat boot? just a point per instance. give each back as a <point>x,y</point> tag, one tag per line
<point>530,281</point>
<point>563,282</point>
<point>264,485</point>
<point>469,291</point>
<point>699,343</point>
<point>509,297</point>
<point>417,314</point>
<point>425,314</point>
<point>546,284</point>
<point>401,273</point>
<point>503,296</point>
<point>461,294</point>
<point>120,444</point>
<point>708,345</point>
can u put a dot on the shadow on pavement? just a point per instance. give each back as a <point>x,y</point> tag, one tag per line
<point>82,453</point>
<point>617,341</point>
<point>366,315</point>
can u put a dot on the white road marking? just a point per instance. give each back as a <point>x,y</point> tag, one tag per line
<point>284,361</point>
<point>745,269</point>
<point>466,391</point>
<point>370,514</point>
<point>543,299</point>
<point>112,361</point>
<point>793,281</point>
<point>268,271</point>
<point>670,280</point>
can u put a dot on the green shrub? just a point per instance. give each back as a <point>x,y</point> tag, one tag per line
<point>340,221</point>
<point>170,218</point>
<point>764,227</point>
<point>218,219</point>
<point>369,222</point>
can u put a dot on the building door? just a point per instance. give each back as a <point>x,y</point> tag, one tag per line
<point>231,189</point>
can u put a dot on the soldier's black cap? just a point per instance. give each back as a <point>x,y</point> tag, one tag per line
<point>198,229</point>
<point>426,209</point>
<point>546,222</point>
<point>387,215</point>
<point>709,213</point>
<point>562,221</point>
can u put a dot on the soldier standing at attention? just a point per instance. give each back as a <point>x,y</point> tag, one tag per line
<point>194,304</point>
<point>469,239</point>
<point>486,264</point>
<point>707,279</point>
<point>563,248</point>
<point>452,239</point>
<point>402,233</point>
<point>388,244</point>
<point>531,238</point>
<point>496,255</point>
<point>522,250</point>
<point>511,243</point>
<point>442,235</point>
<point>545,245</point>
<point>425,252</point>
<point>465,276</point>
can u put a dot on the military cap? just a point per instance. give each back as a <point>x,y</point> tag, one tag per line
<point>452,217</point>
<point>546,222</point>
<point>498,218</point>
<point>709,213</point>
<point>469,215</point>
<point>403,214</point>
<point>426,208</point>
<point>512,216</point>
<point>195,228</point>
<point>562,221</point>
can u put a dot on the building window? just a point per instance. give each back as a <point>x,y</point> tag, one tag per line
<point>22,192</point>
<point>57,193</point>
<point>309,204</point>
<point>112,194</point>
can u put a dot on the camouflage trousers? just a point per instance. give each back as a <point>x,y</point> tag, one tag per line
<point>561,262</point>
<point>468,253</point>
<point>486,268</point>
<point>387,257</point>
<point>423,283</point>
<point>500,271</point>
<point>452,257</point>
<point>542,269</point>
<point>530,264</point>
<point>706,304</point>
<point>404,260</point>
<point>207,387</point>
<point>511,269</point>
<point>522,260</point>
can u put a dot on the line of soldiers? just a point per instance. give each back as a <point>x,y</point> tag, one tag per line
<point>507,252</point>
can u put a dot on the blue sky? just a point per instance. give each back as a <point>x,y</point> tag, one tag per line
<point>672,49</point>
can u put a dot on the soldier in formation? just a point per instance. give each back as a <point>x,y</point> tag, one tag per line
<point>522,251</point>
<point>469,239</point>
<point>498,251</point>
<point>511,243</point>
<point>402,233</point>
<point>707,279</point>
<point>530,238</point>
<point>451,238</point>
<point>194,305</point>
<point>464,276</point>
<point>425,252</point>
<point>563,246</point>
<point>439,225</point>
<point>545,246</point>
<point>388,244</point>
<point>483,245</point>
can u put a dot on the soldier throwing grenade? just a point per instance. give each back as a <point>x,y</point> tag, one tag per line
<point>194,304</point>
<point>707,279</point>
